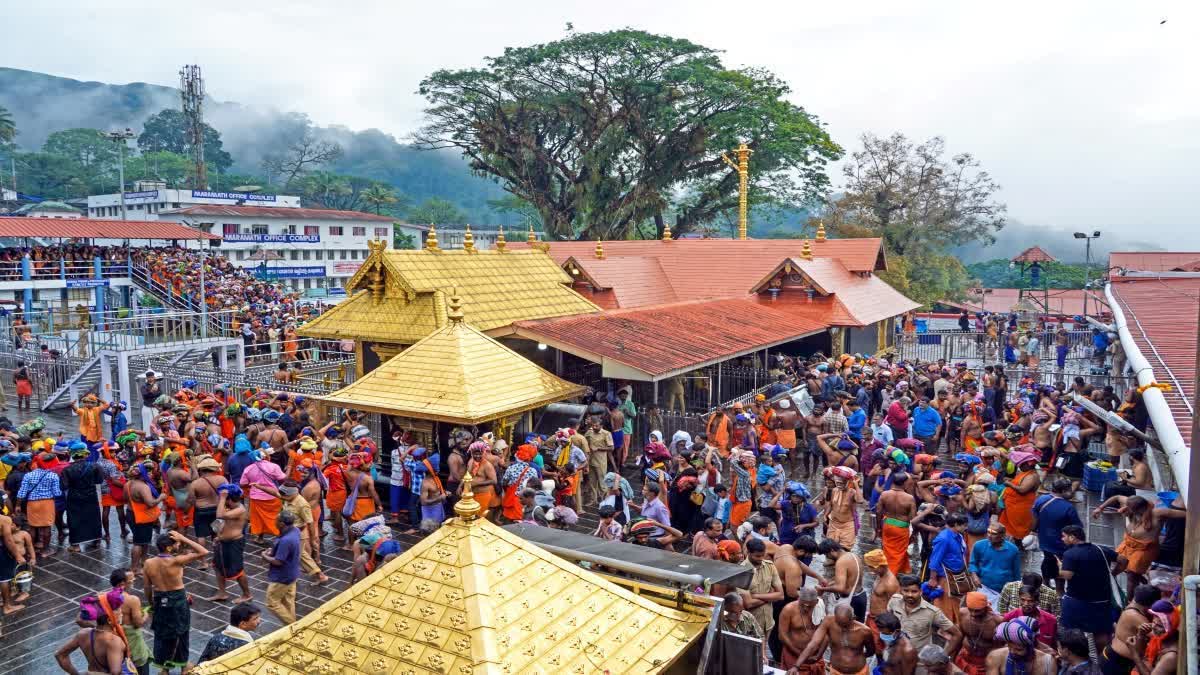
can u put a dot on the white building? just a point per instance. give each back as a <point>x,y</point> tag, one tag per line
<point>149,198</point>
<point>314,250</point>
<point>48,209</point>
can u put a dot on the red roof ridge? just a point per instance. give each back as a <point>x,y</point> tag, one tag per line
<point>96,228</point>
<point>276,212</point>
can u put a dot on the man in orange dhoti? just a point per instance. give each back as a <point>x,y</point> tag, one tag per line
<point>894,512</point>
<point>719,428</point>
<point>743,473</point>
<point>1019,494</point>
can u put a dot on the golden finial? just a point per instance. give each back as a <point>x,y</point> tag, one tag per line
<point>666,233</point>
<point>466,507</point>
<point>599,250</point>
<point>806,251</point>
<point>500,243</point>
<point>469,240</point>
<point>455,315</point>
<point>531,237</point>
<point>820,231</point>
<point>431,239</point>
<point>376,245</point>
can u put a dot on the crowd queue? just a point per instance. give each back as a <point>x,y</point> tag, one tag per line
<point>891,525</point>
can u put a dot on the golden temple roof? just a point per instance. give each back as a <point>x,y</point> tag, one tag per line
<point>394,293</point>
<point>456,374</point>
<point>473,599</point>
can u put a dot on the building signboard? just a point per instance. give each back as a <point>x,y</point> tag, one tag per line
<point>308,272</point>
<point>152,195</point>
<point>86,283</point>
<point>346,267</point>
<point>273,238</point>
<point>232,196</point>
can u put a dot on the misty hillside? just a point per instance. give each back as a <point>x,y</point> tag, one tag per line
<point>42,104</point>
<point>1017,236</point>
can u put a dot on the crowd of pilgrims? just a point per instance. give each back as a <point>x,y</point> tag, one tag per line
<point>891,526</point>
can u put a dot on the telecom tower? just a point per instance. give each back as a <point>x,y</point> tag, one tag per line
<point>191,87</point>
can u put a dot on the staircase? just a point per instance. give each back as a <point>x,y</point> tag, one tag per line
<point>170,298</point>
<point>85,378</point>
<point>190,358</point>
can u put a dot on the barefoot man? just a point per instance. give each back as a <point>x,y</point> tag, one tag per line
<point>230,549</point>
<point>894,512</point>
<point>483,480</point>
<point>978,622</point>
<point>885,587</point>
<point>12,554</point>
<point>851,642</point>
<point>847,584</point>
<point>163,581</point>
<point>798,624</point>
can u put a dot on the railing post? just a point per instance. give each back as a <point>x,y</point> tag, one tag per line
<point>62,269</point>
<point>98,273</point>
<point>27,277</point>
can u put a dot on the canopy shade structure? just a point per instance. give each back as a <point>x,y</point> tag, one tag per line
<point>84,228</point>
<point>473,598</point>
<point>456,375</point>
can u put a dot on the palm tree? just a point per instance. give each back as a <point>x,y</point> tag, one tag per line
<point>8,128</point>
<point>379,196</point>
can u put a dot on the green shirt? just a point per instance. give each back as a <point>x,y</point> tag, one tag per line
<point>630,411</point>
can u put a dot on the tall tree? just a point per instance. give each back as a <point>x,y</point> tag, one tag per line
<point>603,131</point>
<point>920,203</point>
<point>91,156</point>
<point>380,198</point>
<point>170,167</point>
<point>303,152</point>
<point>435,211</point>
<point>166,131</point>
<point>8,128</point>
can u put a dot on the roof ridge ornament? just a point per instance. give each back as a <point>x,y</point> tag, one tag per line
<point>455,314</point>
<point>806,251</point>
<point>666,232</point>
<point>820,231</point>
<point>431,242</point>
<point>531,238</point>
<point>466,507</point>
<point>501,244</point>
<point>599,249</point>
<point>468,240</point>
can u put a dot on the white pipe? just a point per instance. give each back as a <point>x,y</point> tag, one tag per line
<point>1173,445</point>
<point>1190,585</point>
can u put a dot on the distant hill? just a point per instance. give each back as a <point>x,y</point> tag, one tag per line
<point>1060,243</point>
<point>42,104</point>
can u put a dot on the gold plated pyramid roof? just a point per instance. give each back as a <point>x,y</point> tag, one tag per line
<point>500,287</point>
<point>473,599</point>
<point>458,375</point>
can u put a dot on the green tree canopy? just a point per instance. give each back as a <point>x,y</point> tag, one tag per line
<point>167,131</point>
<point>8,128</point>
<point>603,131</point>
<point>434,211</point>
<point>173,168</point>
<point>998,273</point>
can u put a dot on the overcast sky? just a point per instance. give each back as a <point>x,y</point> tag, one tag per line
<point>1087,113</point>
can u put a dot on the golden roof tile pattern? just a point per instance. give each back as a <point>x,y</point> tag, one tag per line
<point>457,374</point>
<point>498,287</point>
<point>392,320</point>
<point>473,599</point>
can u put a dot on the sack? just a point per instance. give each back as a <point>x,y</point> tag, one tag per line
<point>352,499</point>
<point>116,489</point>
<point>959,583</point>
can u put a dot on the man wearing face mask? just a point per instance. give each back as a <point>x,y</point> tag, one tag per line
<point>900,657</point>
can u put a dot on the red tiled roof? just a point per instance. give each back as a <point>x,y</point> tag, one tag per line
<point>634,282</point>
<point>1034,254</point>
<point>275,212</point>
<point>686,335</point>
<point>87,228</point>
<point>725,260</point>
<point>1193,266</point>
<point>867,298</point>
<point>1161,315</point>
<point>1151,261</point>
<point>1067,302</point>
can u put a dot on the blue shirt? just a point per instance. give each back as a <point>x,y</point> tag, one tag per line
<point>287,551</point>
<point>948,551</point>
<point>996,566</point>
<point>119,422</point>
<point>925,421</point>
<point>236,464</point>
<point>857,420</point>
<point>724,507</point>
<point>831,384</point>
<point>1053,514</point>
<point>39,484</point>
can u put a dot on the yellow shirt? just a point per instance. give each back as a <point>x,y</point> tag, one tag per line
<point>90,422</point>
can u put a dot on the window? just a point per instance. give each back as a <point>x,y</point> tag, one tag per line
<point>343,255</point>
<point>307,255</point>
<point>289,229</point>
<point>382,232</point>
<point>175,205</point>
<point>229,228</point>
<point>258,229</point>
<point>312,230</point>
<point>335,230</point>
<point>295,255</point>
<point>319,255</point>
<point>359,232</point>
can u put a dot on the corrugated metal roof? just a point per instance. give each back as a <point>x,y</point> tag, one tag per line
<point>457,375</point>
<point>87,228</point>
<point>1151,261</point>
<point>1161,314</point>
<point>275,212</point>
<point>729,262</point>
<point>678,337</point>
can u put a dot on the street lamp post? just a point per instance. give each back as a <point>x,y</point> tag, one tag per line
<point>1087,267</point>
<point>121,138</point>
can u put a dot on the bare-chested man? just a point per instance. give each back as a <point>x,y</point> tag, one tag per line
<point>798,624</point>
<point>893,513</point>
<point>978,622</point>
<point>792,574</point>
<point>13,552</point>
<point>900,657</point>
<point>172,614</point>
<point>1122,655</point>
<point>847,584</point>
<point>838,506</point>
<point>179,478</point>
<point>483,481</point>
<point>230,548</point>
<point>101,646</point>
<point>882,591</point>
<point>202,496</point>
<point>851,643</point>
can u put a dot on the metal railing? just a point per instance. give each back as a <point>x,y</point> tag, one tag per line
<point>49,270</point>
<point>979,346</point>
